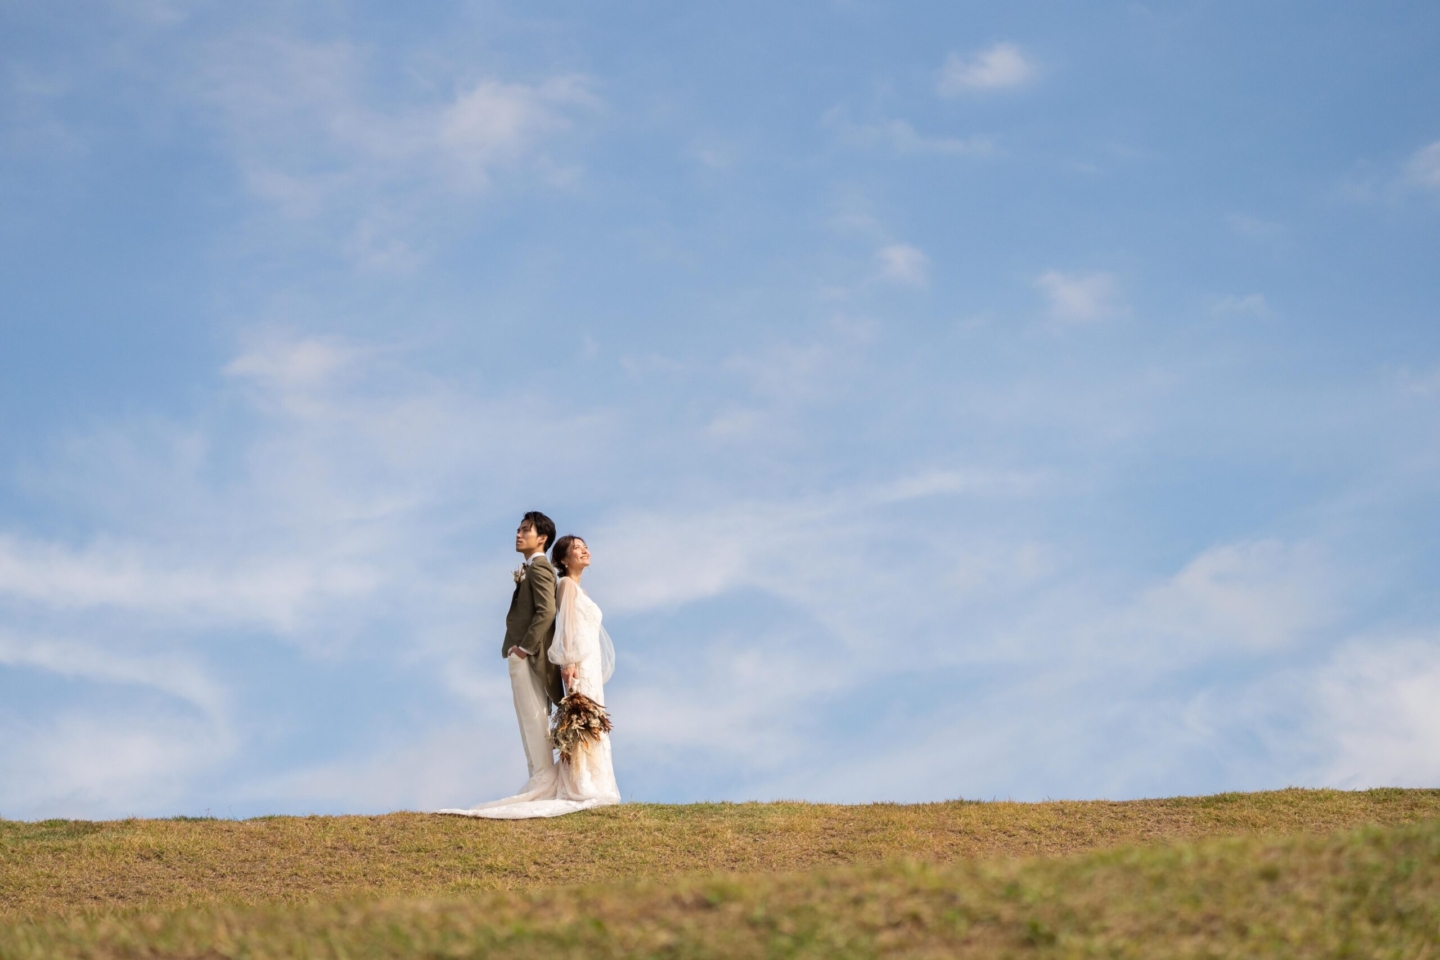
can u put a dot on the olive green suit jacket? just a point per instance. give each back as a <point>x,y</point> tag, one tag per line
<point>530,624</point>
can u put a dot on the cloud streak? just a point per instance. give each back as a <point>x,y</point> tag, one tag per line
<point>318,140</point>
<point>1080,298</point>
<point>885,504</point>
<point>1423,167</point>
<point>1249,305</point>
<point>903,264</point>
<point>901,137</point>
<point>997,67</point>
<point>773,613</point>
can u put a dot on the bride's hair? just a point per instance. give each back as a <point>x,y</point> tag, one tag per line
<point>561,551</point>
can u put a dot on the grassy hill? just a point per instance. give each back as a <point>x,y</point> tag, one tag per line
<point>1287,873</point>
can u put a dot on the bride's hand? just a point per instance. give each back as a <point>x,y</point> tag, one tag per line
<point>567,674</point>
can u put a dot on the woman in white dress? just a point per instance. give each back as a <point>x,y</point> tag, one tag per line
<point>586,659</point>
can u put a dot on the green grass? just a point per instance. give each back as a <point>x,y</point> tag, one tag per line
<point>1292,873</point>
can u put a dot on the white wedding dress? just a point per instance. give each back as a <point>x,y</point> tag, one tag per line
<point>588,780</point>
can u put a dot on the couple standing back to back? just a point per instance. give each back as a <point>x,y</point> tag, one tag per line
<point>554,644</point>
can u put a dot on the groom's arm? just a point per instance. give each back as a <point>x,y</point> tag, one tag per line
<point>542,593</point>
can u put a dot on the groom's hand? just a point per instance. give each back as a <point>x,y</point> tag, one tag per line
<point>519,653</point>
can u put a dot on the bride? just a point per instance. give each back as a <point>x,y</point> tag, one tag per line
<point>586,659</point>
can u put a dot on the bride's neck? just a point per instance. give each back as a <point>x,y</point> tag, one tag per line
<point>575,576</point>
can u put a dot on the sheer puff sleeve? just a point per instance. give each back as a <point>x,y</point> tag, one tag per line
<point>578,633</point>
<point>565,648</point>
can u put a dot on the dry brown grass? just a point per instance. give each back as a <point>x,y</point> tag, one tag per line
<point>57,867</point>
<point>1368,893</point>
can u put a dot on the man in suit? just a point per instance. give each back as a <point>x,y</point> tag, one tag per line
<point>529,629</point>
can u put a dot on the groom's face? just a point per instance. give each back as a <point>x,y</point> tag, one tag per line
<point>527,540</point>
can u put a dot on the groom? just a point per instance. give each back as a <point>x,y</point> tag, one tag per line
<point>529,628</point>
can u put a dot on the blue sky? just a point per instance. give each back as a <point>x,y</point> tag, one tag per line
<point>960,400</point>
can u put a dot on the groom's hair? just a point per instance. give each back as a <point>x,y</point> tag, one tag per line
<point>542,525</point>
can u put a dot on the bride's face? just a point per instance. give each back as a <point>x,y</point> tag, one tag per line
<point>578,556</point>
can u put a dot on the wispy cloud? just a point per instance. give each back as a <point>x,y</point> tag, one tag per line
<point>715,154</point>
<point>898,556</point>
<point>773,612</point>
<point>287,364</point>
<point>902,137</point>
<point>1082,643</point>
<point>102,762</point>
<point>32,116</point>
<point>1424,384</point>
<point>148,724</point>
<point>314,137</point>
<point>173,675</point>
<point>1248,305</point>
<point>335,477</point>
<point>1378,708</point>
<point>268,590</point>
<point>1394,183</point>
<point>760,543</point>
<point>347,486</point>
<point>417,772</point>
<point>1254,228</point>
<point>1248,597</point>
<point>1081,298</point>
<point>1423,167</point>
<point>156,12</point>
<point>904,264</point>
<point>997,67</point>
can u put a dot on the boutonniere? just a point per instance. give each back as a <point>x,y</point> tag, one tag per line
<point>520,572</point>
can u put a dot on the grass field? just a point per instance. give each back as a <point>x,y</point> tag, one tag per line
<point>1289,873</point>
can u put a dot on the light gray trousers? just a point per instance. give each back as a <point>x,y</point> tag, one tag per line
<point>533,712</point>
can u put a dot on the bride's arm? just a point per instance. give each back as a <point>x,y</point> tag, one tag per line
<point>564,650</point>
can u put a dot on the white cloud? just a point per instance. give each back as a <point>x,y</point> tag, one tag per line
<point>996,67</point>
<point>32,116</point>
<point>494,124</point>
<point>1378,705</point>
<point>169,674</point>
<point>1421,384</point>
<point>786,376</point>
<point>417,773</point>
<point>156,13</point>
<point>714,154</point>
<point>1254,228</point>
<point>735,422</point>
<point>290,363</point>
<point>1248,597</point>
<point>103,763</point>
<point>1393,185</point>
<point>761,544</point>
<point>746,713</point>
<point>1081,298</point>
<point>1249,305</point>
<point>986,483</point>
<point>321,511</point>
<point>999,570</point>
<point>903,138</point>
<point>1068,675</point>
<point>91,758</point>
<point>1423,167</point>
<point>1092,673</point>
<point>269,590</point>
<point>903,264</point>
<point>315,138</point>
<point>311,527</point>
<point>732,537</point>
<point>1111,692</point>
